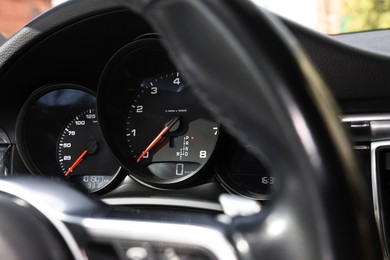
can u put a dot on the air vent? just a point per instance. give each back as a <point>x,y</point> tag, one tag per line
<point>371,138</point>
<point>381,188</point>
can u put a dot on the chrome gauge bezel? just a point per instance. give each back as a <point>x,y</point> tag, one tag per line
<point>41,137</point>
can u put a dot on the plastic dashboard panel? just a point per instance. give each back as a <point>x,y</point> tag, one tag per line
<point>352,72</point>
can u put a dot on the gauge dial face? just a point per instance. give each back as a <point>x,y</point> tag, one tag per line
<point>243,173</point>
<point>82,155</point>
<point>250,176</point>
<point>169,135</point>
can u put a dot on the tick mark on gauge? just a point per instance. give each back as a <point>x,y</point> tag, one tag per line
<point>176,115</point>
<point>82,153</point>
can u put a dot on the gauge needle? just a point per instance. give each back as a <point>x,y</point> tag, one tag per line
<point>158,137</point>
<point>77,162</point>
<point>90,149</point>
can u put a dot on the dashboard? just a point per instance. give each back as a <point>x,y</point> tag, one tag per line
<point>150,127</point>
<point>53,116</point>
<point>70,124</point>
<point>96,102</point>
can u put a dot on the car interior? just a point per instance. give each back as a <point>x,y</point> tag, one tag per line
<point>181,129</point>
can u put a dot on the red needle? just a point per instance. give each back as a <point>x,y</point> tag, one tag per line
<point>158,137</point>
<point>77,162</point>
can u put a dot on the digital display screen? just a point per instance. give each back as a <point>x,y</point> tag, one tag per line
<point>250,174</point>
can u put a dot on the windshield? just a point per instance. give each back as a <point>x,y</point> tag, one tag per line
<point>326,16</point>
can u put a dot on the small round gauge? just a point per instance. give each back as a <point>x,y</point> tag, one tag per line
<point>56,124</point>
<point>246,175</point>
<point>169,135</point>
<point>82,155</point>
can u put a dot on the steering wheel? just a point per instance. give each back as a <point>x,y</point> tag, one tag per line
<point>244,62</point>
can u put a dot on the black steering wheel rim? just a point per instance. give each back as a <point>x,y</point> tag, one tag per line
<point>245,63</point>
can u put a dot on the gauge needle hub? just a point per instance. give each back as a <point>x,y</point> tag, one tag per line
<point>167,126</point>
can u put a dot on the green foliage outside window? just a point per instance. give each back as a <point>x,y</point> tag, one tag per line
<point>362,15</point>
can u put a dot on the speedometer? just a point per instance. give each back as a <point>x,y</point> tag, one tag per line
<point>82,155</point>
<point>59,136</point>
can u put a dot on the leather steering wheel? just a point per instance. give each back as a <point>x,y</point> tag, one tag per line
<point>245,63</point>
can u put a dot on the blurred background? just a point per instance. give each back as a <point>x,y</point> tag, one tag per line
<point>16,13</point>
<point>326,16</point>
<point>334,16</point>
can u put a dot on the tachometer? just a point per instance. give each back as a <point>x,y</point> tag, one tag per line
<point>169,135</point>
<point>162,134</point>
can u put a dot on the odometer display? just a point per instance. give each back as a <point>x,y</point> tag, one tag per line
<point>170,135</point>
<point>92,182</point>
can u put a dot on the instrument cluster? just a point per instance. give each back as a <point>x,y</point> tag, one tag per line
<point>144,121</point>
